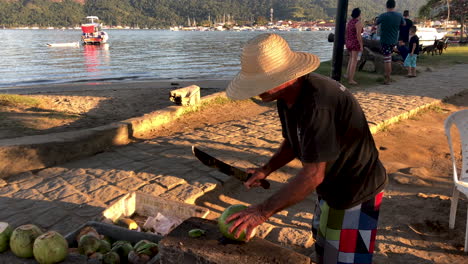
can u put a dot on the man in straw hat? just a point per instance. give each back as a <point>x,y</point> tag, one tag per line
<point>325,128</point>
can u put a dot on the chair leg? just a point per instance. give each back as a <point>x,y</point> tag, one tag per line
<point>453,207</point>
<point>466,232</point>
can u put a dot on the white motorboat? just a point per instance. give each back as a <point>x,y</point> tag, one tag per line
<point>428,35</point>
<point>92,32</point>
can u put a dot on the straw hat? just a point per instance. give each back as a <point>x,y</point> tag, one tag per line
<point>267,62</point>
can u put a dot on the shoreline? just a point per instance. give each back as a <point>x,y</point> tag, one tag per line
<point>120,85</point>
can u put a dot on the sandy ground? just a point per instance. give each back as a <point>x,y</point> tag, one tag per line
<point>77,106</point>
<point>414,218</point>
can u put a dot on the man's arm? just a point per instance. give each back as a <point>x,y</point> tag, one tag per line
<point>283,156</point>
<point>305,182</point>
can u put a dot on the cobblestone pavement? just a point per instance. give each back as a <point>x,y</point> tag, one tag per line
<point>63,197</point>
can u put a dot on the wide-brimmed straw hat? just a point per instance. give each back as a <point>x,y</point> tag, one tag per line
<point>267,62</point>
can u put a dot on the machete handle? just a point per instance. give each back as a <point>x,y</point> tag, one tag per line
<point>264,183</point>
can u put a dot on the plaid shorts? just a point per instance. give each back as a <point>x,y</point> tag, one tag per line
<point>346,236</point>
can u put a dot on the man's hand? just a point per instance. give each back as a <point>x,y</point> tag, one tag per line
<point>257,175</point>
<point>247,220</point>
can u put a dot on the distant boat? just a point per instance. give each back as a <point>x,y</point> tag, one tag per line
<point>70,44</point>
<point>92,32</point>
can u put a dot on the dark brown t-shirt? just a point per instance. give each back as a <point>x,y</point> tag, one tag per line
<point>327,124</point>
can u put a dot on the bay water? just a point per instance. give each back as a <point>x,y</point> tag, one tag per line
<point>133,55</point>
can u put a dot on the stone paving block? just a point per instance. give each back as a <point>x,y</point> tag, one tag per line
<point>89,163</point>
<point>118,162</point>
<point>28,194</point>
<point>206,183</point>
<point>169,182</point>
<point>134,166</point>
<point>73,201</point>
<point>130,184</point>
<point>146,176</point>
<point>32,181</point>
<point>73,173</point>
<point>50,184</point>
<point>51,172</point>
<point>8,190</point>
<point>21,219</point>
<point>61,192</point>
<point>18,178</point>
<point>50,217</point>
<point>106,194</point>
<point>165,164</point>
<point>114,176</point>
<point>264,229</point>
<point>153,189</point>
<point>86,210</point>
<point>291,236</point>
<point>91,185</point>
<point>78,179</point>
<point>186,193</point>
<point>69,224</point>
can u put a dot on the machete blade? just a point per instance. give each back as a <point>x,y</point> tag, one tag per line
<point>223,167</point>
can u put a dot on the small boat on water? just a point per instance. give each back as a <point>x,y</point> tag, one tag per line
<point>69,44</point>
<point>92,32</point>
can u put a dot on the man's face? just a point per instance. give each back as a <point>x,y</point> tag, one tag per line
<point>276,93</point>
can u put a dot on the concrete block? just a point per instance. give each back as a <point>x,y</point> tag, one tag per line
<point>36,152</point>
<point>189,95</point>
<point>178,247</point>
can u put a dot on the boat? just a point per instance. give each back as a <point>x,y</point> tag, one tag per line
<point>428,35</point>
<point>92,32</point>
<point>70,44</point>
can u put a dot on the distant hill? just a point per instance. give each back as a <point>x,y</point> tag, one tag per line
<point>162,13</point>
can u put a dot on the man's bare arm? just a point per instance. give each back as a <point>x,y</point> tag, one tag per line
<point>283,156</point>
<point>305,182</point>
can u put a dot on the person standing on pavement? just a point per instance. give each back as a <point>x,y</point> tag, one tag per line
<point>410,61</point>
<point>389,23</point>
<point>403,38</point>
<point>324,127</point>
<point>353,43</point>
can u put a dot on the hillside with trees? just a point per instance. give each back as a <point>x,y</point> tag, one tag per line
<point>164,13</point>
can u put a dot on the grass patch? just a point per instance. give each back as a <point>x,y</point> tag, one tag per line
<point>216,101</point>
<point>16,100</point>
<point>451,56</point>
<point>365,79</point>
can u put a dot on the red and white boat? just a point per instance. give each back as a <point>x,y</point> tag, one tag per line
<point>92,32</point>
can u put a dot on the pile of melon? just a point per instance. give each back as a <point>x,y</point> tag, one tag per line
<point>29,241</point>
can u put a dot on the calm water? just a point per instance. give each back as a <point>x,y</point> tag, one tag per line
<point>133,55</point>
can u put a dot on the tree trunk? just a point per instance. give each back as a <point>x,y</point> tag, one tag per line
<point>462,26</point>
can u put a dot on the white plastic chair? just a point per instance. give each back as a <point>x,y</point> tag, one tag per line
<point>460,119</point>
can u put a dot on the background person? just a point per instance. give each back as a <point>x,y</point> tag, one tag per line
<point>324,126</point>
<point>403,38</point>
<point>410,61</point>
<point>389,23</point>
<point>353,43</point>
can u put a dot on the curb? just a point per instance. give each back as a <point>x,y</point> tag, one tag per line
<point>378,127</point>
<point>28,153</point>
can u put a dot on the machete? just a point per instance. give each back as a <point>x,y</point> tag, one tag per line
<point>225,168</point>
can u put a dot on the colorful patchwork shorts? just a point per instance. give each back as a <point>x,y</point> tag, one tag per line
<point>410,60</point>
<point>387,51</point>
<point>346,236</point>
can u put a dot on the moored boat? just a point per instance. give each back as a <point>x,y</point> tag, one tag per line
<point>92,32</point>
